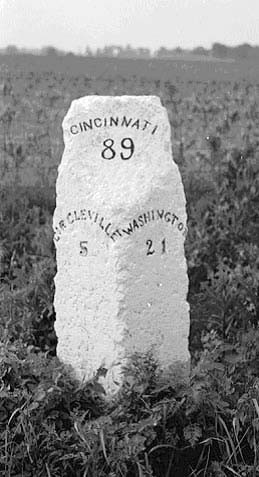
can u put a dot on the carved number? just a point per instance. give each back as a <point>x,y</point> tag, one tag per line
<point>83,248</point>
<point>149,244</point>
<point>108,151</point>
<point>163,246</point>
<point>126,144</point>
<point>150,249</point>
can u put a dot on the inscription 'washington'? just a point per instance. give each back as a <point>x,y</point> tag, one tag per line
<point>114,121</point>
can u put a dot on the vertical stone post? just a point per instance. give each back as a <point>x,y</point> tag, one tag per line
<point>119,229</point>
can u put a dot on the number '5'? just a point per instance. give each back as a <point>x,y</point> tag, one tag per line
<point>83,247</point>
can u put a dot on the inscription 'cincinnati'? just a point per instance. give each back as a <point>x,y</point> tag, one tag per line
<point>111,230</point>
<point>114,121</point>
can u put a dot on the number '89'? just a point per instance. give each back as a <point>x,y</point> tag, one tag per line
<point>110,150</point>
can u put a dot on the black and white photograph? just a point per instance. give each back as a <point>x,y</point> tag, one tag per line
<point>129,238</point>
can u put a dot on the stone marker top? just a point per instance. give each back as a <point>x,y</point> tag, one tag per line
<point>119,146</point>
<point>115,106</point>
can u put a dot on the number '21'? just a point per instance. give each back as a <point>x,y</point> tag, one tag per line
<point>150,249</point>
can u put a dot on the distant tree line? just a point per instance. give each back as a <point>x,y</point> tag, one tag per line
<point>217,50</point>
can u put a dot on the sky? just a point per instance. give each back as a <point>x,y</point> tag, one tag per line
<point>71,25</point>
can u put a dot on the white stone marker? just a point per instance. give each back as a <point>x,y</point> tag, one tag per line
<point>119,230</point>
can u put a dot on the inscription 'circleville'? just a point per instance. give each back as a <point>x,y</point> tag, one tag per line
<point>119,230</point>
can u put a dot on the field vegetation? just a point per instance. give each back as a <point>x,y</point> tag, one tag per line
<point>158,426</point>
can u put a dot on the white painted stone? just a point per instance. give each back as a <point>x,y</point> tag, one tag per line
<point>119,230</point>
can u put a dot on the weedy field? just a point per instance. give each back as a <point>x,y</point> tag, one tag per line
<point>157,426</point>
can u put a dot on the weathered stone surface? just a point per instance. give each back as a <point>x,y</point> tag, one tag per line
<point>119,230</point>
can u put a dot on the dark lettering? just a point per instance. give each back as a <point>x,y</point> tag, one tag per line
<point>83,247</point>
<point>114,121</point>
<point>126,122</point>
<point>168,214</point>
<point>135,124</point>
<point>74,128</point>
<point>62,225</point>
<point>69,217</point>
<point>127,144</point>
<point>75,214</point>
<point>107,228</point>
<point>129,229</point>
<point>83,214</point>
<point>149,243</point>
<point>146,217</point>
<point>160,213</point>
<point>108,152</point>
<point>163,246</point>
<point>154,130</point>
<point>141,220</point>
<point>95,122</point>
<point>57,234</point>
<point>101,223</point>
<point>88,125</point>
<point>135,224</point>
<point>117,232</point>
<point>112,236</point>
<point>180,226</point>
<point>174,217</point>
<point>145,125</point>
